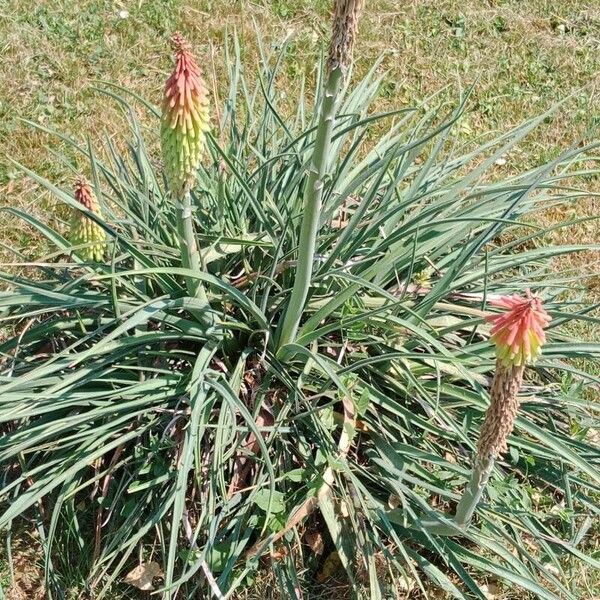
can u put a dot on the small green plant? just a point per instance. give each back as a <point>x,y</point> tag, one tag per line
<point>285,334</point>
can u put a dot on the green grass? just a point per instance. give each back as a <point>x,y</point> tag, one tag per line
<point>523,57</point>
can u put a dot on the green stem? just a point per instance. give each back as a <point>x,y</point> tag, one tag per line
<point>473,492</point>
<point>467,503</point>
<point>465,509</point>
<point>190,258</point>
<point>312,208</point>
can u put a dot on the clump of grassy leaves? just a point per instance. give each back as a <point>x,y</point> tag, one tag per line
<point>135,432</point>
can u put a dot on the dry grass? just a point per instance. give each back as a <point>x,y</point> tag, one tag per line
<point>522,56</point>
<point>28,573</point>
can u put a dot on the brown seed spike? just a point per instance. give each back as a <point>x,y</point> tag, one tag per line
<point>502,412</point>
<point>343,36</point>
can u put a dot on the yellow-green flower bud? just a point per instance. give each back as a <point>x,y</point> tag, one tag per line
<point>83,229</point>
<point>185,119</point>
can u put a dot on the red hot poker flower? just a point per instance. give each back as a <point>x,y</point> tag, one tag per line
<point>84,231</point>
<point>519,333</point>
<point>184,118</point>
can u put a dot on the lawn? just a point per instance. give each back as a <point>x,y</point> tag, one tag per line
<point>520,57</point>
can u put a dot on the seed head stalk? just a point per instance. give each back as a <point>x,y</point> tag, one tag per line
<point>499,423</point>
<point>345,23</point>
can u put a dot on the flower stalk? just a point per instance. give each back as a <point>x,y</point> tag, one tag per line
<point>339,59</point>
<point>190,255</point>
<point>498,425</point>
<point>184,124</point>
<point>518,335</point>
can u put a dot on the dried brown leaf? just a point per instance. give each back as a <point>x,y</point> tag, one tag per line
<point>141,577</point>
<point>315,542</point>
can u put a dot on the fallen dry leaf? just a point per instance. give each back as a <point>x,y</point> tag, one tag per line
<point>450,457</point>
<point>314,539</point>
<point>279,553</point>
<point>141,577</point>
<point>332,568</point>
<point>394,501</point>
<point>492,591</point>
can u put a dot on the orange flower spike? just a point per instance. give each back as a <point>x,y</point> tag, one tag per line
<point>184,120</point>
<point>519,336</point>
<point>518,333</point>
<point>83,230</point>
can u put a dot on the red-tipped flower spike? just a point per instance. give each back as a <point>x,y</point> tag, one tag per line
<point>83,229</point>
<point>519,335</point>
<point>184,119</point>
<point>519,332</point>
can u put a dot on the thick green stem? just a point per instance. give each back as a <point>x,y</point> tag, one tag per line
<point>190,256</point>
<point>312,208</point>
<point>467,504</point>
<point>482,469</point>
